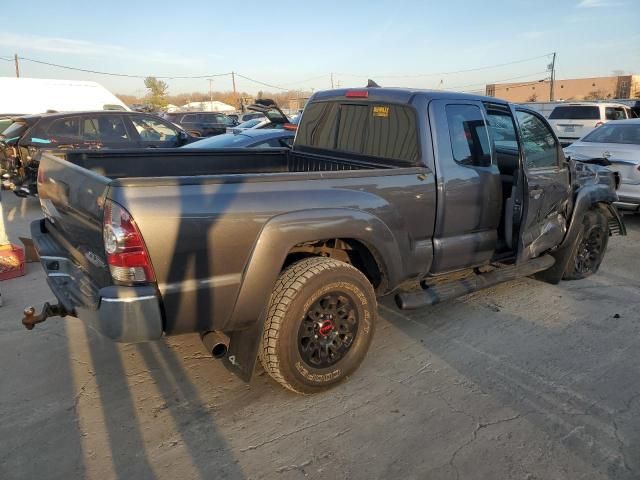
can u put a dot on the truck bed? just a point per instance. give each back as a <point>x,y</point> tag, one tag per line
<point>188,163</point>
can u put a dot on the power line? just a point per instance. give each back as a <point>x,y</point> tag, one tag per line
<point>166,77</point>
<point>486,67</point>
<point>498,81</point>
<point>261,83</point>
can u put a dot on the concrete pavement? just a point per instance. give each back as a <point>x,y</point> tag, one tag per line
<point>524,381</point>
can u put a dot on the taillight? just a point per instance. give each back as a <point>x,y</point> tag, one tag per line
<point>599,123</point>
<point>357,94</point>
<point>126,253</point>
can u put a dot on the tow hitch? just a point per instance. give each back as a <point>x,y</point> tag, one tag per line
<point>30,318</point>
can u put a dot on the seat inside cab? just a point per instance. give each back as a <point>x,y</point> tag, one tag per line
<point>507,157</point>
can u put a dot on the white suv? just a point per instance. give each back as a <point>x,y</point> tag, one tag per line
<point>574,120</point>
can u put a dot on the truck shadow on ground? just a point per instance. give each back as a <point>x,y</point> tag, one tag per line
<point>587,405</point>
<point>155,417</point>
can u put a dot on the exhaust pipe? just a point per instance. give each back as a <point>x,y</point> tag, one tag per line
<point>216,342</point>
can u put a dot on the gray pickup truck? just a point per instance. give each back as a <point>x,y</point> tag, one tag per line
<point>280,254</point>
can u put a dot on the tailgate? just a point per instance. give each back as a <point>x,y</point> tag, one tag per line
<point>72,199</point>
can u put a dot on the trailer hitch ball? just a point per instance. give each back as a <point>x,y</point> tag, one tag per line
<point>30,318</point>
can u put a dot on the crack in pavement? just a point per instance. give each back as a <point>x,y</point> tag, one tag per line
<point>306,427</point>
<point>621,445</point>
<point>474,436</point>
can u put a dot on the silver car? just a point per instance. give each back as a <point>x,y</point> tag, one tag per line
<point>619,142</point>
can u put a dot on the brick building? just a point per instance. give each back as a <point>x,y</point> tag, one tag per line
<point>595,88</point>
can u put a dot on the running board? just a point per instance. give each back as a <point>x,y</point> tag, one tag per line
<point>431,295</point>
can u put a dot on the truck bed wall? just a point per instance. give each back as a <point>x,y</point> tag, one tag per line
<point>181,163</point>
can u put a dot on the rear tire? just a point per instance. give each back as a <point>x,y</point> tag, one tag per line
<point>319,325</point>
<point>590,246</point>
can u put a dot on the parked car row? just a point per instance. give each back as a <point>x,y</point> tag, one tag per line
<point>574,120</point>
<point>23,138</point>
<point>22,141</point>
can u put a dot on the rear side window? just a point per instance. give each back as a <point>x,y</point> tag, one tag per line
<point>469,135</point>
<point>575,113</point>
<point>58,130</point>
<point>614,113</point>
<point>375,130</point>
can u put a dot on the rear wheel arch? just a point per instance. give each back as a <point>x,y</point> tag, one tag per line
<point>353,251</point>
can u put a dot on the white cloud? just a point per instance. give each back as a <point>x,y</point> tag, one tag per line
<point>21,43</point>
<point>598,3</point>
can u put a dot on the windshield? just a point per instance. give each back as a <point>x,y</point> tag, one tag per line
<point>575,113</point>
<point>227,140</point>
<point>13,132</point>
<point>628,133</point>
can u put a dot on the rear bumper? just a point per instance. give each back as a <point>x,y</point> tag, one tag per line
<point>123,314</point>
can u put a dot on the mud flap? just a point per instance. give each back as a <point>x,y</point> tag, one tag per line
<point>563,256</point>
<point>243,350</point>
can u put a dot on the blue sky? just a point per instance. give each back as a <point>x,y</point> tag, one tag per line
<point>297,44</point>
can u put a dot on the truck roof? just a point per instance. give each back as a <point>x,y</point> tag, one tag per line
<point>402,95</point>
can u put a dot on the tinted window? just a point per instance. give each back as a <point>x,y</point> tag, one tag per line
<point>63,130</point>
<point>107,128</point>
<point>614,113</point>
<point>376,130</point>
<point>189,118</point>
<point>469,135</point>
<point>628,133</point>
<point>152,130</point>
<point>575,113</point>
<point>538,142</point>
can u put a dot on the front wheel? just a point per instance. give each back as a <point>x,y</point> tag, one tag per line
<point>319,326</point>
<point>590,247</point>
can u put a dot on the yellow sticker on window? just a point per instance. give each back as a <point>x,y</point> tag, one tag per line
<point>381,111</point>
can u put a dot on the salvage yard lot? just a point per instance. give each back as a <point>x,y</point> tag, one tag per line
<point>525,380</point>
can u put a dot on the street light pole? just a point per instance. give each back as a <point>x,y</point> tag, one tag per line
<point>210,95</point>
<point>553,78</point>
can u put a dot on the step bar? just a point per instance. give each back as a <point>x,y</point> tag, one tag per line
<point>432,295</point>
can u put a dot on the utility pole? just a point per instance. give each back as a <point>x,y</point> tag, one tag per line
<point>15,60</point>
<point>235,93</point>
<point>331,79</point>
<point>553,78</point>
<point>210,94</point>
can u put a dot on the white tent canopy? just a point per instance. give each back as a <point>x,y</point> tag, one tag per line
<point>207,106</point>
<point>37,95</point>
